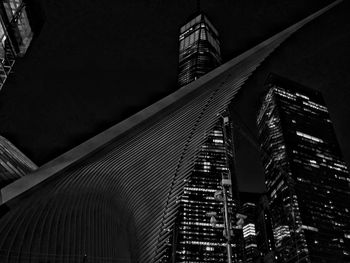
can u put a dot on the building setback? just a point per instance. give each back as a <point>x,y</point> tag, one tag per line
<point>13,163</point>
<point>307,181</point>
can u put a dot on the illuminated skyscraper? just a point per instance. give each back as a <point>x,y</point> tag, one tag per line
<point>199,50</point>
<point>15,35</point>
<point>249,208</point>
<point>194,239</point>
<point>307,181</point>
<point>13,163</point>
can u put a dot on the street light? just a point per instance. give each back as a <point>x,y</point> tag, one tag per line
<point>221,196</point>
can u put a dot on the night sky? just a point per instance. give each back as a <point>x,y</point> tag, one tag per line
<point>94,63</point>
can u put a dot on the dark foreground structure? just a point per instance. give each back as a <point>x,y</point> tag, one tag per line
<point>306,177</point>
<point>15,35</point>
<point>114,197</point>
<point>13,163</point>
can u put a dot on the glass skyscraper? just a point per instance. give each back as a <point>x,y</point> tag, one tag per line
<point>307,181</point>
<point>15,35</point>
<point>194,239</point>
<point>199,50</point>
<point>13,163</point>
<point>249,209</point>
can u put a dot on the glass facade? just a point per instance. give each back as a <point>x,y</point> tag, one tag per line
<point>308,183</point>
<point>13,163</point>
<point>15,35</point>
<point>251,249</point>
<point>194,236</point>
<point>199,50</point>
<point>195,239</point>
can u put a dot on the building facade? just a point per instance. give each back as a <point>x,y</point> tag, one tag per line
<point>13,163</point>
<point>15,35</point>
<point>307,181</point>
<point>196,238</point>
<point>199,49</point>
<point>249,208</point>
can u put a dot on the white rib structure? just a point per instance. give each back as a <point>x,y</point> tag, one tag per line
<point>114,197</point>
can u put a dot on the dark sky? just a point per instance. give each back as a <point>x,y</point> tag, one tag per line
<point>95,63</point>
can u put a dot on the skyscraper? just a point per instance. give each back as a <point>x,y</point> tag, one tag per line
<point>249,208</point>
<point>199,50</point>
<point>307,181</point>
<point>194,238</point>
<point>13,163</point>
<point>114,198</point>
<point>15,35</point>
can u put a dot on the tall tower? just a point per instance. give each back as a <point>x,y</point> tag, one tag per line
<point>15,35</point>
<point>199,50</point>
<point>13,163</point>
<point>308,182</point>
<point>194,239</point>
<point>249,207</point>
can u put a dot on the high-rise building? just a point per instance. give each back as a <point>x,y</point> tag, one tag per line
<point>13,163</point>
<point>15,35</point>
<point>199,50</point>
<point>249,209</point>
<point>114,198</point>
<point>307,181</point>
<point>194,238</point>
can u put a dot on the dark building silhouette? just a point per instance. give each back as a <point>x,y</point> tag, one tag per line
<point>264,232</point>
<point>15,35</point>
<point>199,50</point>
<point>13,163</point>
<point>306,178</point>
<point>114,198</point>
